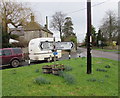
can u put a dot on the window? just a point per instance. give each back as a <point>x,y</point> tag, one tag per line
<point>1,53</point>
<point>17,51</point>
<point>7,52</point>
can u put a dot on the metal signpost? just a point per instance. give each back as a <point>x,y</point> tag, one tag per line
<point>54,46</point>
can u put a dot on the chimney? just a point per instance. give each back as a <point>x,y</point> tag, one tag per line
<point>32,18</point>
<point>46,22</point>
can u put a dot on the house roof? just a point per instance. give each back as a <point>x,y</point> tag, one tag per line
<point>32,26</point>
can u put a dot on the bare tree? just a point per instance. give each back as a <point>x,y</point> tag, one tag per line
<point>13,13</point>
<point>57,21</point>
<point>109,26</point>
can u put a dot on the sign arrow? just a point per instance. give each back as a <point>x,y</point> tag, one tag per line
<point>58,45</point>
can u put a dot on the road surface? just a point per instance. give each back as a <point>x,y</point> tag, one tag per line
<point>97,53</point>
<point>82,52</point>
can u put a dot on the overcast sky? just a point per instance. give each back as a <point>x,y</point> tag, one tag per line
<point>72,8</point>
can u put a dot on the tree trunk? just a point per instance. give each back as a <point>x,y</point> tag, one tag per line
<point>5,35</point>
<point>60,33</point>
<point>110,30</point>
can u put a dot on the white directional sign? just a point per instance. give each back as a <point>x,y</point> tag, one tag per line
<point>63,45</point>
<point>58,45</point>
<point>46,45</point>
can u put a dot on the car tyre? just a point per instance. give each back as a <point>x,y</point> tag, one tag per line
<point>15,63</point>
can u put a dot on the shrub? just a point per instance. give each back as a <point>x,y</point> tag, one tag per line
<point>81,65</point>
<point>92,79</point>
<point>69,78</point>
<point>107,66</point>
<point>37,70</point>
<point>83,57</point>
<point>13,71</point>
<point>61,73</point>
<point>101,70</point>
<point>107,76</point>
<point>68,68</point>
<point>41,80</point>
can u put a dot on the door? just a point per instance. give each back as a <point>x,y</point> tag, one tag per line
<point>6,56</point>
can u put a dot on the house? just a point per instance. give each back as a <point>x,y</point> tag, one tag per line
<point>35,30</point>
<point>32,30</point>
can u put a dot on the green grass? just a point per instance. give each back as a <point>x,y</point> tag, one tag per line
<point>107,50</point>
<point>21,81</point>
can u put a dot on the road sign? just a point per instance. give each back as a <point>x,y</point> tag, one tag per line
<point>99,42</point>
<point>58,45</point>
<point>46,45</point>
<point>55,53</point>
<point>63,45</point>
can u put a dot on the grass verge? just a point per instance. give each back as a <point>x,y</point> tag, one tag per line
<point>21,81</point>
<point>107,50</point>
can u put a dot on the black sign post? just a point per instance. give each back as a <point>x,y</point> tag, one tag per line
<point>54,50</point>
<point>89,68</point>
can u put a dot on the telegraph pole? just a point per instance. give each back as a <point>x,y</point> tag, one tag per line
<point>89,38</point>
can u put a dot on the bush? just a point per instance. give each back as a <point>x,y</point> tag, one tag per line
<point>41,80</point>
<point>61,73</point>
<point>83,57</point>
<point>37,70</point>
<point>107,66</point>
<point>68,68</point>
<point>69,78</point>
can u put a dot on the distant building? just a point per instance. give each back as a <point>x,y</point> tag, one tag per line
<point>32,30</point>
<point>35,30</point>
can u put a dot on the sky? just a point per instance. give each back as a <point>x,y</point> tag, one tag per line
<point>74,9</point>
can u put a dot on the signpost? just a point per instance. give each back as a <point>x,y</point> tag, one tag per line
<point>64,45</point>
<point>47,45</point>
<point>54,46</point>
<point>58,45</point>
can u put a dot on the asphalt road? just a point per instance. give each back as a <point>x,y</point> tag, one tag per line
<point>82,52</point>
<point>97,53</point>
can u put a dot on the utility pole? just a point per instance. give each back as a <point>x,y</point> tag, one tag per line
<point>89,38</point>
<point>119,23</point>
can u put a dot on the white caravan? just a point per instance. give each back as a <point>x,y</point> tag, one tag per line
<point>36,53</point>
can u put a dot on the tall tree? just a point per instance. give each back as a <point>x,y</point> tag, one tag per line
<point>68,27</point>
<point>13,13</point>
<point>109,27</point>
<point>57,21</point>
<point>94,38</point>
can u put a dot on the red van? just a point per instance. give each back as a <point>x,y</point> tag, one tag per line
<point>12,56</point>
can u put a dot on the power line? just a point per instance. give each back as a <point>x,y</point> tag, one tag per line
<point>86,8</point>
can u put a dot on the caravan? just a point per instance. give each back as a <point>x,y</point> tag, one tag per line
<point>36,53</point>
